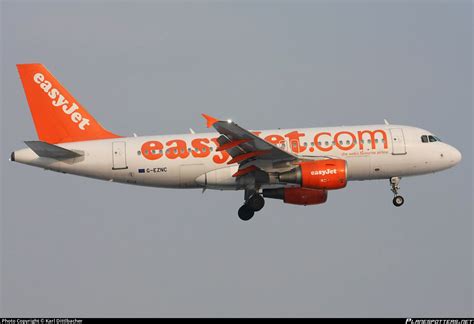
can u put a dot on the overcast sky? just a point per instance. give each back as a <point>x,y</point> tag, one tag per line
<point>74,246</point>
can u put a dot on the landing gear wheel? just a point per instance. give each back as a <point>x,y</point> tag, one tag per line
<point>395,186</point>
<point>256,202</point>
<point>398,201</point>
<point>246,213</point>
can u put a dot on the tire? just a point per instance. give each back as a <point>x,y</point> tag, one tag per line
<point>256,202</point>
<point>398,201</point>
<point>246,213</point>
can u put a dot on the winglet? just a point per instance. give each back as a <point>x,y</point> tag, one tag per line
<point>210,120</point>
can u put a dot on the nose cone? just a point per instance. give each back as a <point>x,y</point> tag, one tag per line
<point>455,156</point>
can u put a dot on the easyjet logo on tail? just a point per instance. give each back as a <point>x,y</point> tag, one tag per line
<point>58,100</point>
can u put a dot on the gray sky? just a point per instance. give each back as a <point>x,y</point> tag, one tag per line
<point>73,246</point>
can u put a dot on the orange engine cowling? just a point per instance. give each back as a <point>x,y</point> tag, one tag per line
<point>297,196</point>
<point>322,174</point>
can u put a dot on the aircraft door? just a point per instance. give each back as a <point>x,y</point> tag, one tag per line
<point>398,141</point>
<point>119,156</point>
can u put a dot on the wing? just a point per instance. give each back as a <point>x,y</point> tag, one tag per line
<point>245,148</point>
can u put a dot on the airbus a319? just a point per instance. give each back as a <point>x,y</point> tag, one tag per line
<point>297,166</point>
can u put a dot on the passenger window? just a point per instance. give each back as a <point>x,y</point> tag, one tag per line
<point>424,139</point>
<point>139,153</point>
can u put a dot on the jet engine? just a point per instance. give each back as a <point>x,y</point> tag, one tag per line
<point>297,196</point>
<point>321,174</point>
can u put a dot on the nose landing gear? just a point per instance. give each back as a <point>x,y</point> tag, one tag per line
<point>395,185</point>
<point>253,203</point>
<point>398,201</point>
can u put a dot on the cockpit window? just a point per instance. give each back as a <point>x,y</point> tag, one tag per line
<point>429,139</point>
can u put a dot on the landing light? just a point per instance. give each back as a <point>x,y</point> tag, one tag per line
<point>229,121</point>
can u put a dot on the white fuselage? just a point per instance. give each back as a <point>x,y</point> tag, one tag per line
<point>191,160</point>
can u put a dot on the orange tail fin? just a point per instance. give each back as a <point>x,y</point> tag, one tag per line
<point>58,117</point>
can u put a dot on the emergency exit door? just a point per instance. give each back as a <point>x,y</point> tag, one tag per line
<point>119,156</point>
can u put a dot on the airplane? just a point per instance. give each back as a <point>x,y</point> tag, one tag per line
<point>297,166</point>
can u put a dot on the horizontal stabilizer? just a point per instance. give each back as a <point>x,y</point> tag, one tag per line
<point>44,149</point>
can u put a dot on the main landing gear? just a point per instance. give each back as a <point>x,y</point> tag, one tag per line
<point>253,203</point>
<point>395,184</point>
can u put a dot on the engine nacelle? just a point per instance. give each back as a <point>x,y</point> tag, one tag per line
<point>321,174</point>
<point>297,196</point>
